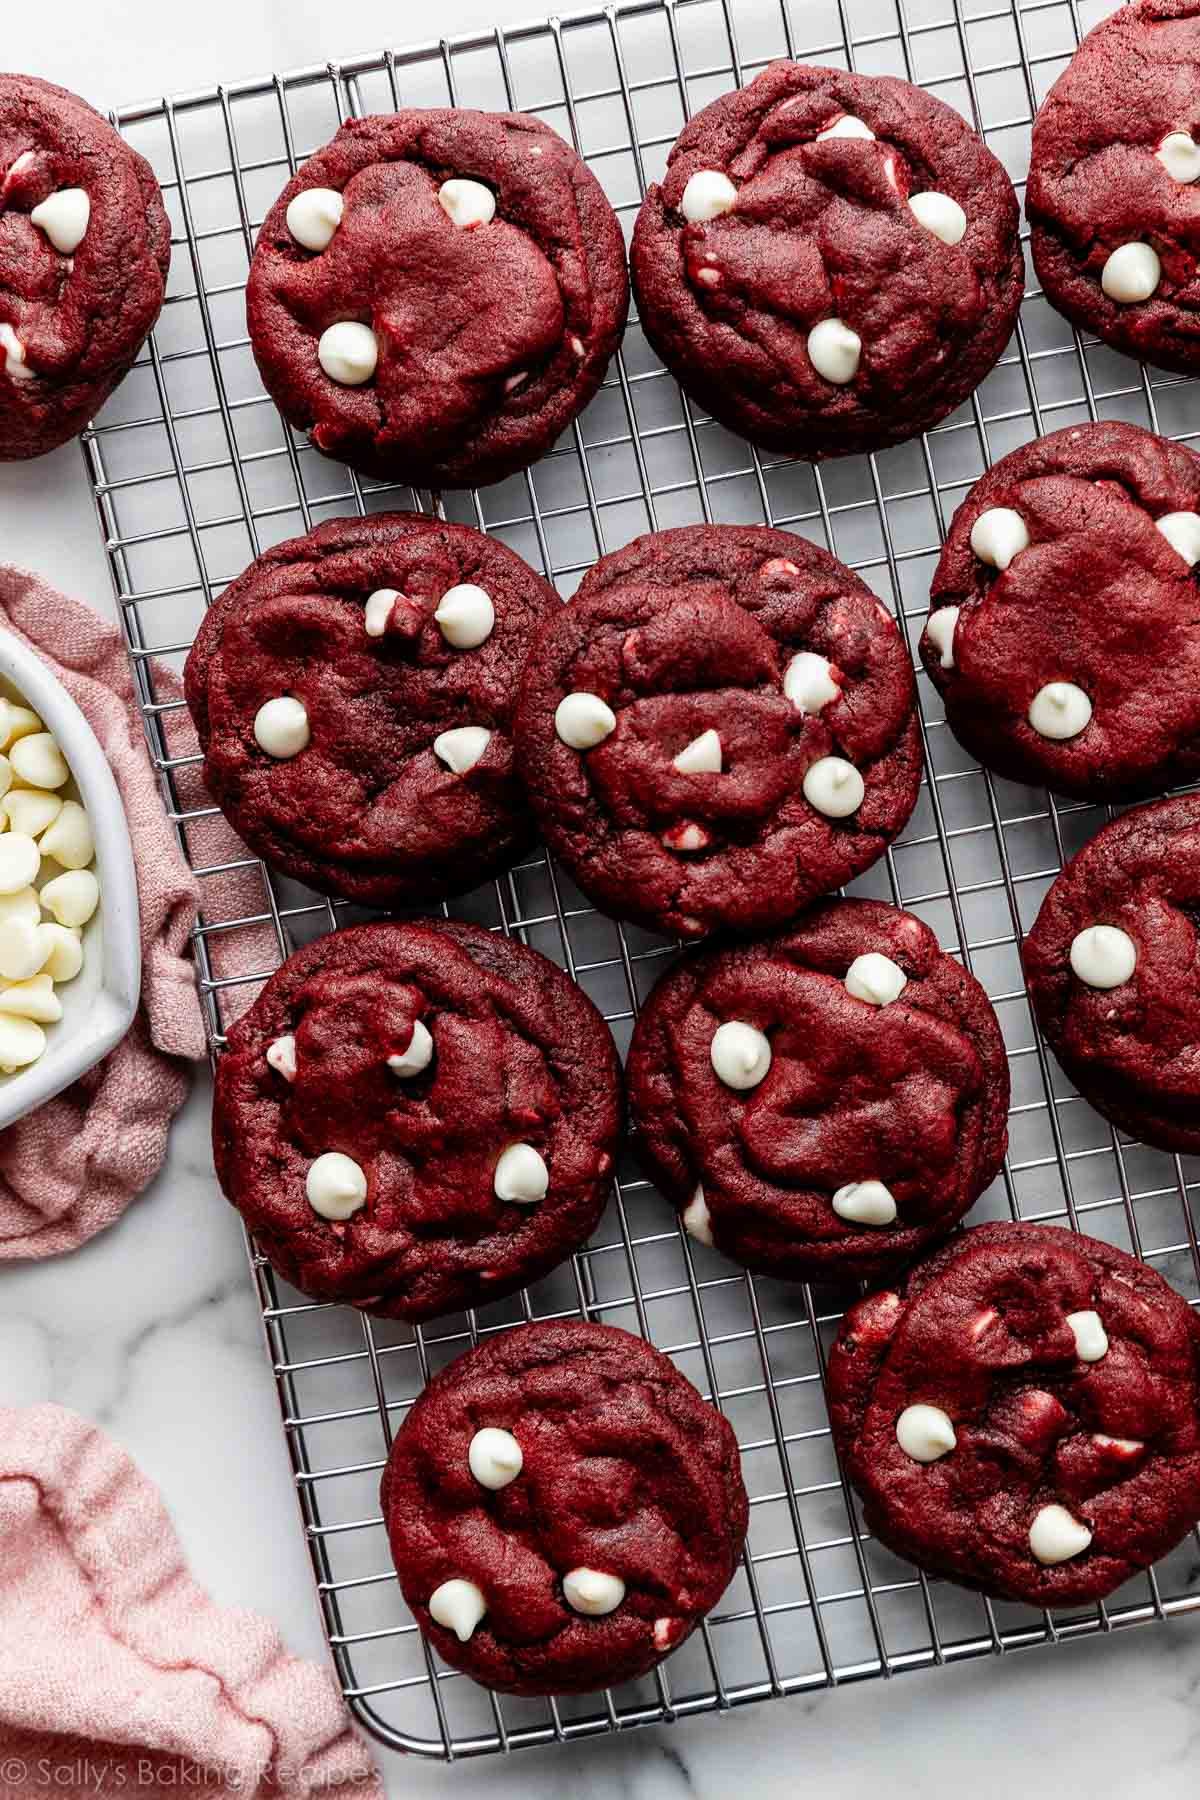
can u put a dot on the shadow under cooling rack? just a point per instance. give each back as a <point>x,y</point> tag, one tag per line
<point>194,474</point>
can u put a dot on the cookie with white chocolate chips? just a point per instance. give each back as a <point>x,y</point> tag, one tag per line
<point>1113,968</point>
<point>1023,1415</point>
<point>1064,630</point>
<point>417,1118</point>
<point>353,694</point>
<point>1112,200</point>
<point>831,262</point>
<point>719,727</point>
<point>826,1103</point>
<point>436,295</point>
<point>84,251</point>
<point>564,1508</point>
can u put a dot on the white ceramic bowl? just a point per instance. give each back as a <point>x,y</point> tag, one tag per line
<point>98,1006</point>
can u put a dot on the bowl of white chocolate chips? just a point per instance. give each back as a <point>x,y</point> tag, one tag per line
<point>70,945</point>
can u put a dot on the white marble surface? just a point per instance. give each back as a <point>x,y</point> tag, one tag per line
<point>153,1330</point>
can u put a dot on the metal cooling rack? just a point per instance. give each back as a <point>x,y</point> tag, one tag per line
<point>194,474</point>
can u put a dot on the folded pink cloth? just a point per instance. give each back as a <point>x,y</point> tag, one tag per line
<point>118,1674</point>
<point>72,1167</point>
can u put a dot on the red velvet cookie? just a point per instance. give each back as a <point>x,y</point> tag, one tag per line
<point>563,1508</point>
<point>353,694</point>
<point>1113,968</point>
<point>1064,631</point>
<point>437,294</point>
<point>1024,1415</point>
<point>1112,203</point>
<point>832,261</point>
<point>720,726</point>
<point>826,1103</point>
<point>84,252</point>
<point>417,1118</point>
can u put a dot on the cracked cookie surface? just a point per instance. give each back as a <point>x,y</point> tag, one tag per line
<point>1022,1416</point>
<point>803,220</point>
<point>879,1119</point>
<point>1093,586</point>
<point>420,1054</point>
<point>624,1472</point>
<point>1113,174</point>
<point>404,788</point>
<point>84,251</point>
<point>1125,1023</point>
<point>763,745</point>
<point>482,257</point>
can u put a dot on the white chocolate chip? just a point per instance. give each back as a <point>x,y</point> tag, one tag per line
<point>592,1592</point>
<point>494,1457</point>
<point>808,682</point>
<point>281,1056</point>
<point>834,787</point>
<point>336,1186</point>
<point>466,203</point>
<point>22,951</point>
<point>6,779</point>
<point>16,722</point>
<point>925,1433</point>
<point>876,979</point>
<point>666,1630</point>
<point>1179,155</point>
<point>30,811</point>
<point>835,351</point>
<point>1132,273</point>
<point>865,1203</point>
<point>702,756</point>
<point>38,761</point>
<point>1103,956</point>
<point>20,860</point>
<point>65,958</point>
<point>847,127</point>
<point>584,720</point>
<point>941,215</point>
<point>69,839</point>
<point>1060,710</point>
<point>1120,1446</point>
<point>687,837</point>
<point>33,999</point>
<point>1091,1339</point>
<point>710,276</point>
<point>64,217</point>
<point>521,1175</point>
<point>939,629</point>
<point>15,366</point>
<point>461,748</point>
<point>314,215</point>
<point>707,195</point>
<point>348,352</point>
<point>465,616</point>
<point>72,897</point>
<point>24,904</point>
<point>998,535</point>
<point>697,1220</point>
<point>1182,532</point>
<point>281,727</point>
<point>21,1041</point>
<point>378,610</point>
<point>416,1057</point>
<point>458,1606</point>
<point>1055,1537</point>
<point>740,1053</point>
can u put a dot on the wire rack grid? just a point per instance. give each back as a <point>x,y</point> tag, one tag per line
<point>194,473</point>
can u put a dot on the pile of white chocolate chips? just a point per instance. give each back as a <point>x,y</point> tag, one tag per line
<point>47,889</point>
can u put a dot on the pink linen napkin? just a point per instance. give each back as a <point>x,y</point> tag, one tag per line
<point>118,1673</point>
<point>72,1167</point>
